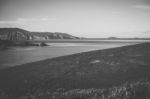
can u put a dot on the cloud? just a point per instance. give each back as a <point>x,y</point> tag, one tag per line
<point>35,19</point>
<point>28,23</point>
<point>116,12</point>
<point>144,7</point>
<point>27,20</point>
<point>146,32</point>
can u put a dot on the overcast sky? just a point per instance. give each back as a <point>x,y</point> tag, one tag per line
<point>84,18</point>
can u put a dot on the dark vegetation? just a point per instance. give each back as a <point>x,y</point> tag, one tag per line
<point>5,44</point>
<point>134,90</point>
<point>88,75</point>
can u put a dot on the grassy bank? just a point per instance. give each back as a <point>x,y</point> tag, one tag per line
<point>96,69</point>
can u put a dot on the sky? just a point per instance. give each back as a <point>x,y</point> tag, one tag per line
<point>83,18</point>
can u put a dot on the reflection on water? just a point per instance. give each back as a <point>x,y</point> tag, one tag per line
<point>21,55</point>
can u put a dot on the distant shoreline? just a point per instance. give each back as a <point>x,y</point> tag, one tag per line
<point>6,43</point>
<point>85,40</point>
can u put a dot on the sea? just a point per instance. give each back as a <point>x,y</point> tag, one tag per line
<point>14,56</point>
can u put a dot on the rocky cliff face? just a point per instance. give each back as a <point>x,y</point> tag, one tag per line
<point>14,34</point>
<point>20,34</point>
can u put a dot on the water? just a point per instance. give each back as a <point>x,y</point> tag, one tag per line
<point>21,55</point>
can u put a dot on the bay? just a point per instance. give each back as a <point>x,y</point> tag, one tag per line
<point>21,55</point>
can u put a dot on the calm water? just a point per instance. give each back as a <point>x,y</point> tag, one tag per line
<point>20,55</point>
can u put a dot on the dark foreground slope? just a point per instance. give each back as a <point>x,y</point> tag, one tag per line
<point>95,69</point>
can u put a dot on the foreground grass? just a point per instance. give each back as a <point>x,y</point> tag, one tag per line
<point>134,90</point>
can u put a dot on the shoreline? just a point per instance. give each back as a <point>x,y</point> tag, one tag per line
<point>8,65</point>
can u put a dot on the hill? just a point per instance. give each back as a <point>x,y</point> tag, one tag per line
<point>21,34</point>
<point>96,69</point>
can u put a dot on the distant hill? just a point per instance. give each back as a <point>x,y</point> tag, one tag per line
<point>21,34</point>
<point>56,35</point>
<point>95,69</point>
<point>112,38</point>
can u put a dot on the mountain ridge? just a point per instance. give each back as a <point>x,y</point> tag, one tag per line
<point>21,34</point>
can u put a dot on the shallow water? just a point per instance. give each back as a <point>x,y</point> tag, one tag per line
<point>21,55</point>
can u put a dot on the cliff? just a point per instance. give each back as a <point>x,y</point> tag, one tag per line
<point>21,34</point>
